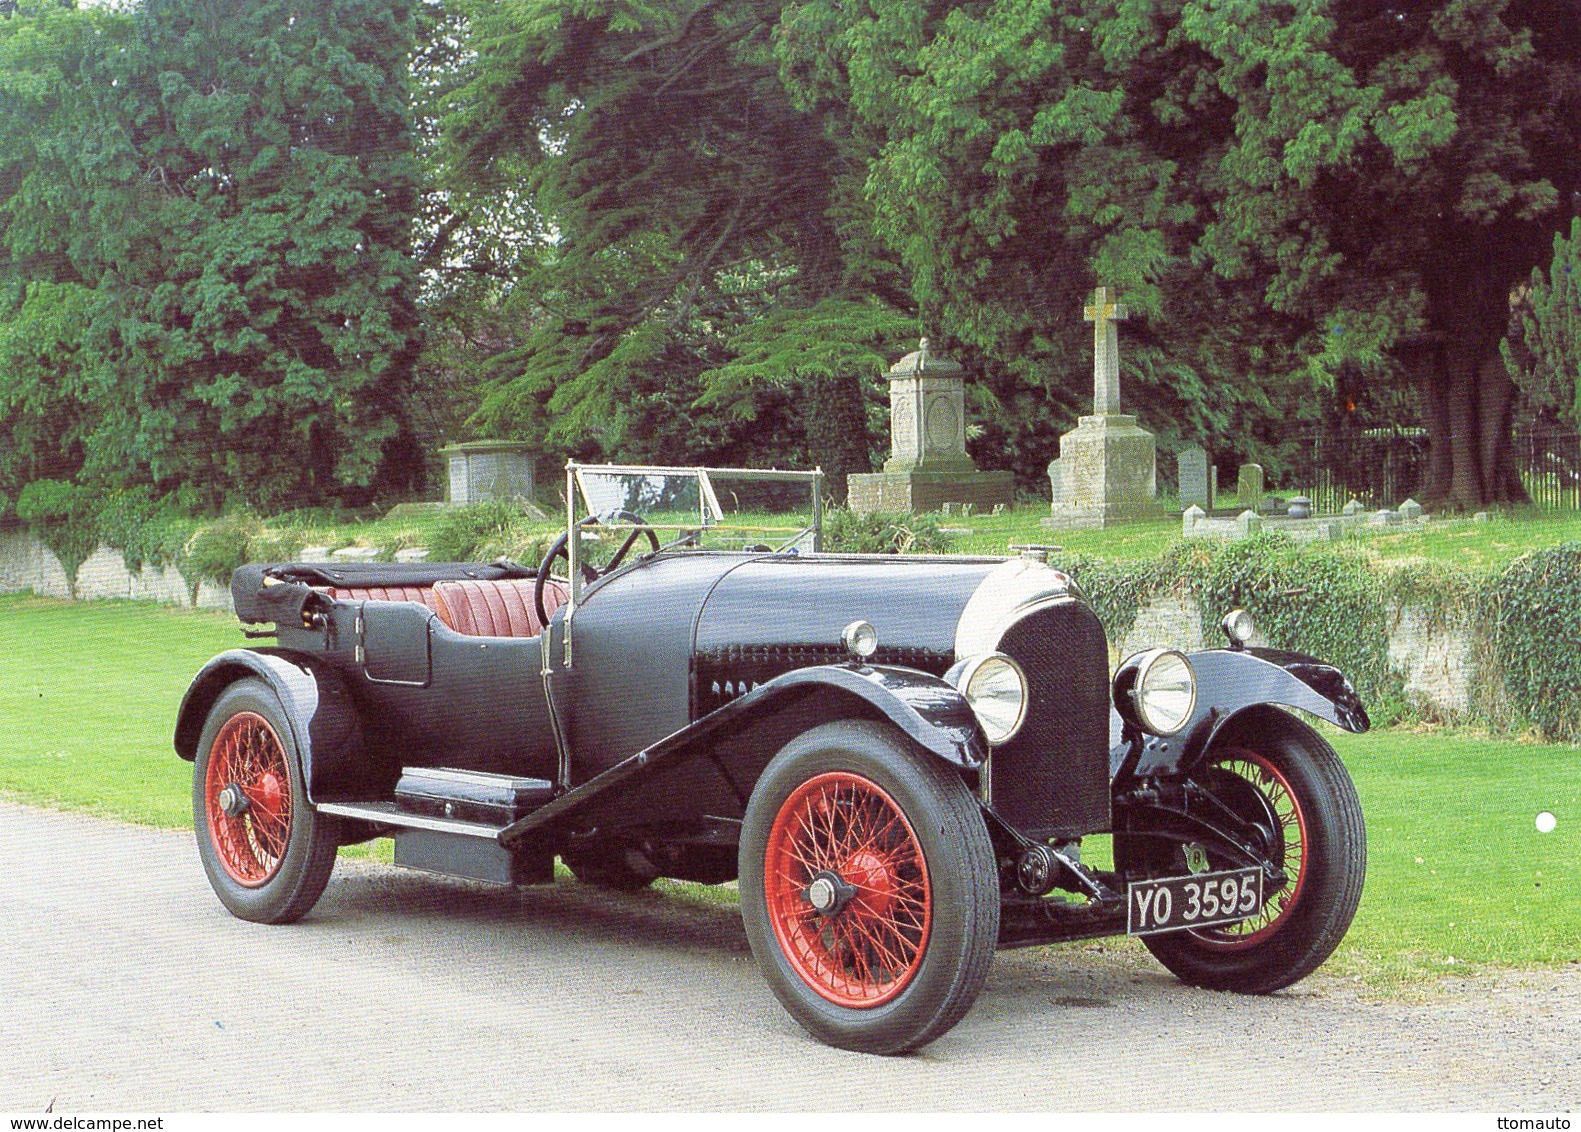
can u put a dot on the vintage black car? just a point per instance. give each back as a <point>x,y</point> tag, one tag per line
<point>897,757</point>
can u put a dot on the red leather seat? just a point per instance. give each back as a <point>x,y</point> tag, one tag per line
<point>423,595</point>
<point>494,609</point>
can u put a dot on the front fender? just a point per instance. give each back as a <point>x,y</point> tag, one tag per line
<point>318,709</point>
<point>1231,680</point>
<point>925,707</point>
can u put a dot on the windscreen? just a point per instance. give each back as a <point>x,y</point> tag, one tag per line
<point>697,508</point>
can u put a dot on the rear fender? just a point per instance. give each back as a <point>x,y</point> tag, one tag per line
<point>318,709</point>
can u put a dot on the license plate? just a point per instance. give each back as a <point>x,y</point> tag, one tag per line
<point>1171,904</point>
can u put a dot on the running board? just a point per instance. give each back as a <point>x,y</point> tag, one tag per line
<point>386,813</point>
<point>450,847</point>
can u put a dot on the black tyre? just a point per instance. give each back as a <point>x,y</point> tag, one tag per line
<point>868,888</point>
<point>1284,778</point>
<point>267,853</point>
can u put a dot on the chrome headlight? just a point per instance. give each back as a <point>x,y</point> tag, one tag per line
<point>996,690</point>
<point>1156,690</point>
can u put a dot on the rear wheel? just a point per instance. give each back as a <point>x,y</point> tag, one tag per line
<point>868,888</point>
<point>1287,783</point>
<point>267,854</point>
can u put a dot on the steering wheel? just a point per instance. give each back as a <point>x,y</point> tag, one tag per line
<point>642,528</point>
<point>559,549</point>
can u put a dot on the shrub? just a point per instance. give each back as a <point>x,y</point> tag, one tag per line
<point>61,515</point>
<point>1537,624</point>
<point>214,551</point>
<point>847,532</point>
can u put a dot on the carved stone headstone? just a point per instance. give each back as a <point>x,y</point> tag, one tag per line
<point>1354,507</point>
<point>1189,518</point>
<point>1192,465</point>
<point>1108,466</point>
<point>1248,523</point>
<point>1249,485</point>
<point>1054,484</point>
<point>928,464</point>
<point>1410,510</point>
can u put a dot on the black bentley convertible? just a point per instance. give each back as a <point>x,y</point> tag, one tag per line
<point>897,758</point>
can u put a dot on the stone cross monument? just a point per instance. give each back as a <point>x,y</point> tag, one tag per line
<point>1108,466</point>
<point>928,464</point>
<point>1105,351</point>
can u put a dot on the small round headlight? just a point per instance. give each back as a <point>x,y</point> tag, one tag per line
<point>996,690</point>
<point>860,639</point>
<point>1238,626</point>
<point>1165,692</point>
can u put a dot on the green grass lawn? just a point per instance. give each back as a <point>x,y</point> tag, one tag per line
<point>1459,876</point>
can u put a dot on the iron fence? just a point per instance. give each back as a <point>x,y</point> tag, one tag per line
<point>1384,467</point>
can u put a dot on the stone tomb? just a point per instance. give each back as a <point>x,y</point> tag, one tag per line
<point>928,464</point>
<point>485,470</point>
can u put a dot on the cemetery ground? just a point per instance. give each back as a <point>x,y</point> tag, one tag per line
<point>1460,881</point>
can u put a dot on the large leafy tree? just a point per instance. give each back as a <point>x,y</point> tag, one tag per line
<point>709,286</point>
<point>226,196</point>
<point>1338,190</point>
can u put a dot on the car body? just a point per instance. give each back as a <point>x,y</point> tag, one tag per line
<point>897,757</point>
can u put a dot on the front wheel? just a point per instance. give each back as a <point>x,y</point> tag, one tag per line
<point>868,888</point>
<point>1285,781</point>
<point>267,853</point>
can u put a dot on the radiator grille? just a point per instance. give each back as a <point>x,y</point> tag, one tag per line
<point>722,674</point>
<point>1052,779</point>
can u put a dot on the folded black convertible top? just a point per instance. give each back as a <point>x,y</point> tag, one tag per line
<point>248,582</point>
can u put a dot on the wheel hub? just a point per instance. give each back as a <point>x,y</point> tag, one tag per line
<point>232,801</point>
<point>829,893</point>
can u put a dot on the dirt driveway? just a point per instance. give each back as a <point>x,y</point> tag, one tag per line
<point>124,986</point>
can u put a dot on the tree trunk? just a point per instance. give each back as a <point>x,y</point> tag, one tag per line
<point>835,422</point>
<point>1429,377</point>
<point>1496,404</point>
<point>1469,404</point>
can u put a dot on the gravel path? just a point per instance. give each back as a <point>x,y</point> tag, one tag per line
<point>124,986</point>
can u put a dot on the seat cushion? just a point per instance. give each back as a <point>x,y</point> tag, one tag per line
<point>494,609</point>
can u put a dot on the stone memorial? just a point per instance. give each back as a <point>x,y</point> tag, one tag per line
<point>1054,484</point>
<point>1411,511</point>
<point>1249,486</point>
<point>928,464</point>
<point>1108,466</point>
<point>1192,465</point>
<point>484,470</point>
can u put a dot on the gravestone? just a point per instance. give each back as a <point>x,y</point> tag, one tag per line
<point>1249,485</point>
<point>1248,523</point>
<point>1054,484</point>
<point>483,470</point>
<point>1108,466</point>
<point>928,464</point>
<point>1192,465</point>
<point>1354,507</point>
<point>1410,511</point>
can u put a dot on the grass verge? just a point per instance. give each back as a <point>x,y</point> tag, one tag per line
<point>1458,875</point>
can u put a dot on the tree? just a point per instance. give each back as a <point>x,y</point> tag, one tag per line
<point>234,191</point>
<point>1287,191</point>
<point>1547,348</point>
<point>685,200</point>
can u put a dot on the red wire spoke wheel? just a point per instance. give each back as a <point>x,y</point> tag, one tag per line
<point>869,887</point>
<point>1290,850</point>
<point>865,946</point>
<point>248,788</point>
<point>266,851</point>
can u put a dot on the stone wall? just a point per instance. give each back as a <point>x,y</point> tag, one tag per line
<point>1437,659</point>
<point>27,564</point>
